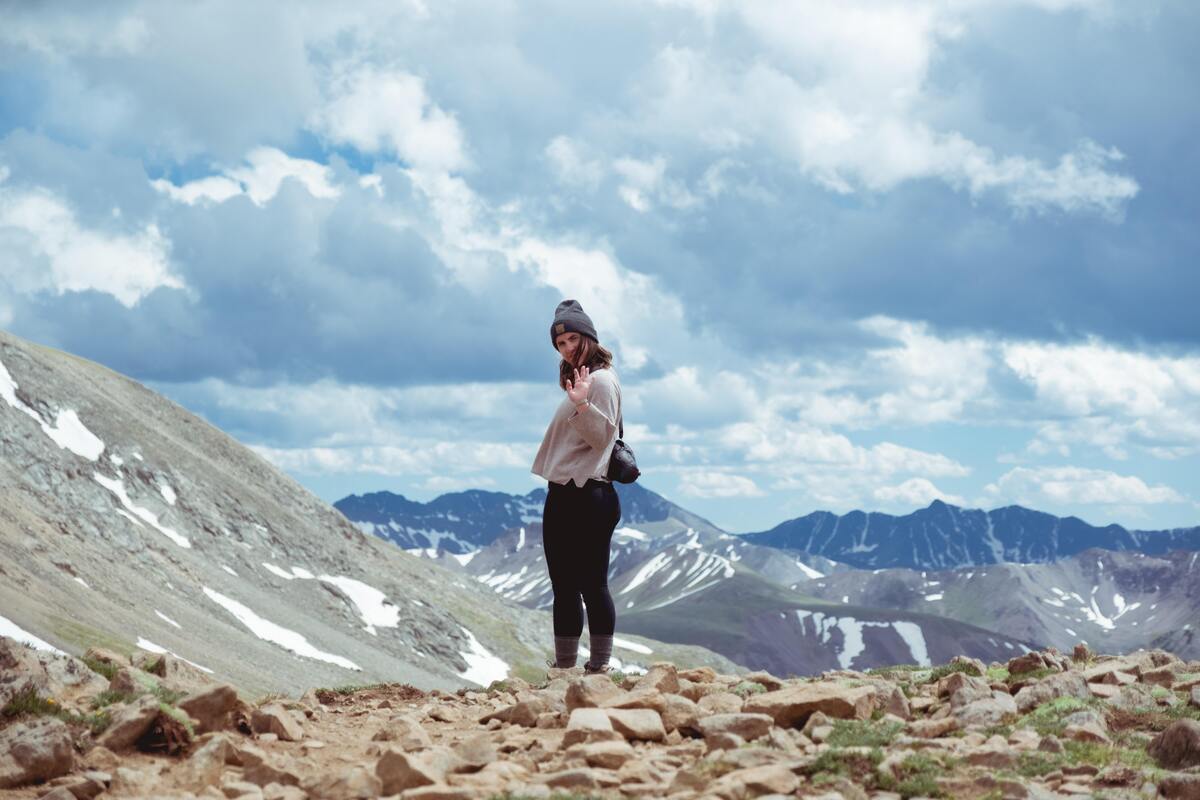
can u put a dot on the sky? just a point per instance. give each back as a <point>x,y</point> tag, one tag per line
<point>860,254</point>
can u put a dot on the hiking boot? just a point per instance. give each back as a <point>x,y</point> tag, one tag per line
<point>603,669</point>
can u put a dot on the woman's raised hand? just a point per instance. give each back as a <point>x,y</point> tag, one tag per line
<point>578,389</point>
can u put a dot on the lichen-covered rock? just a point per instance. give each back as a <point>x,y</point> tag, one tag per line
<point>1065,684</point>
<point>35,751</point>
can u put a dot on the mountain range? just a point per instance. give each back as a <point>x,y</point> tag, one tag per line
<point>924,586</point>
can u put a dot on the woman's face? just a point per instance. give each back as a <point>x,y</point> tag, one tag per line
<point>567,344</point>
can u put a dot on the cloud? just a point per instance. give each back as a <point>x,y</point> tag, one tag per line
<point>914,493</point>
<point>267,168</point>
<point>389,111</point>
<point>1063,486</point>
<point>571,165</point>
<point>717,484</point>
<point>45,248</point>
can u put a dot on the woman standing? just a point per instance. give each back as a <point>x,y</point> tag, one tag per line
<point>581,508</point>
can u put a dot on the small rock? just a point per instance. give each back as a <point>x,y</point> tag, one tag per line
<point>766,679</point>
<point>609,755</point>
<point>1087,732</point>
<point>408,733</point>
<point>723,740</point>
<point>932,728</point>
<point>446,713</point>
<point>589,725</point>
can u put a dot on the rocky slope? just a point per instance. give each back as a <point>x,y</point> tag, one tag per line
<point>1115,601</point>
<point>127,522</point>
<point>945,537</point>
<point>1040,726</point>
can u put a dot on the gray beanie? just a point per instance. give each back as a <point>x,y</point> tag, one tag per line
<point>569,318</point>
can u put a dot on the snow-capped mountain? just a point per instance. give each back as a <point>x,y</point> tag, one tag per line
<point>708,588</point>
<point>944,537</point>
<point>1114,601</point>
<point>127,522</point>
<point>461,522</point>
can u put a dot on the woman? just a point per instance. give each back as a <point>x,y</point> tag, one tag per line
<point>581,508</point>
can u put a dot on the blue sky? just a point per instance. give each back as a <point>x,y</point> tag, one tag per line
<point>847,254</point>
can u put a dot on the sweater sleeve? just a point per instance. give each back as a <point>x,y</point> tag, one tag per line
<point>597,424</point>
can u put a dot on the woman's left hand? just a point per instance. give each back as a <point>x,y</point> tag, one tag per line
<point>578,389</point>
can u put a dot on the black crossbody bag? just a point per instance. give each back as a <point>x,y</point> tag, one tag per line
<point>622,467</point>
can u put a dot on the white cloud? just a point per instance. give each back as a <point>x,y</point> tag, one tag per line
<point>389,111</point>
<point>572,165</point>
<point>259,179</point>
<point>48,249</point>
<point>843,97</point>
<point>1059,486</point>
<point>645,182</point>
<point>914,493</point>
<point>717,485</point>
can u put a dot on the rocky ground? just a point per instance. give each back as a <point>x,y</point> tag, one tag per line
<point>1043,725</point>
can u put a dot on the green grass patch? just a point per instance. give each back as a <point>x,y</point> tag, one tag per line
<point>100,667</point>
<point>845,763</point>
<point>83,636</point>
<point>617,676</point>
<point>916,776</point>
<point>943,670</point>
<point>897,672</point>
<point>179,716</point>
<point>30,704</point>
<point>111,697</point>
<point>1035,764</point>
<point>997,673</point>
<point>1031,676</point>
<point>863,733</point>
<point>1047,718</point>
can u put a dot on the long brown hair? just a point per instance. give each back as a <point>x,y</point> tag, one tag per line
<point>590,352</point>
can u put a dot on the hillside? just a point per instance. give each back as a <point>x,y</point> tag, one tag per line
<point>127,522</point>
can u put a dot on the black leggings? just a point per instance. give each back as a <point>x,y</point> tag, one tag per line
<point>577,529</point>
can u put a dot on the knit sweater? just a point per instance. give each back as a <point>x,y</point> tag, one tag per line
<point>578,445</point>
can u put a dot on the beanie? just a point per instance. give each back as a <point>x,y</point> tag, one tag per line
<point>569,318</point>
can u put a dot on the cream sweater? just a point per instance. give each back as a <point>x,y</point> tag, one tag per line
<point>577,446</point>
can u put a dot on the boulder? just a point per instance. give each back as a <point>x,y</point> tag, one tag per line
<point>792,705</point>
<point>591,691</point>
<point>212,707</point>
<point>276,719</point>
<point>769,779</point>
<point>398,770</point>
<point>720,703</point>
<point>607,755</point>
<point>637,723</point>
<point>1177,747</point>
<point>35,751</point>
<point>1180,786</point>
<point>747,726</point>
<point>475,752</point>
<point>352,783</point>
<point>986,711</point>
<point>662,677</point>
<point>1065,684</point>
<point>406,732</point>
<point>129,723</point>
<point>589,725</point>
<point>766,679</point>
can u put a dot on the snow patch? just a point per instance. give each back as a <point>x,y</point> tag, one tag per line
<point>12,630</point>
<point>165,618</point>
<point>229,570</point>
<point>634,646</point>
<point>912,635</point>
<point>483,667</point>
<point>81,582</point>
<point>276,634</point>
<point>117,487</point>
